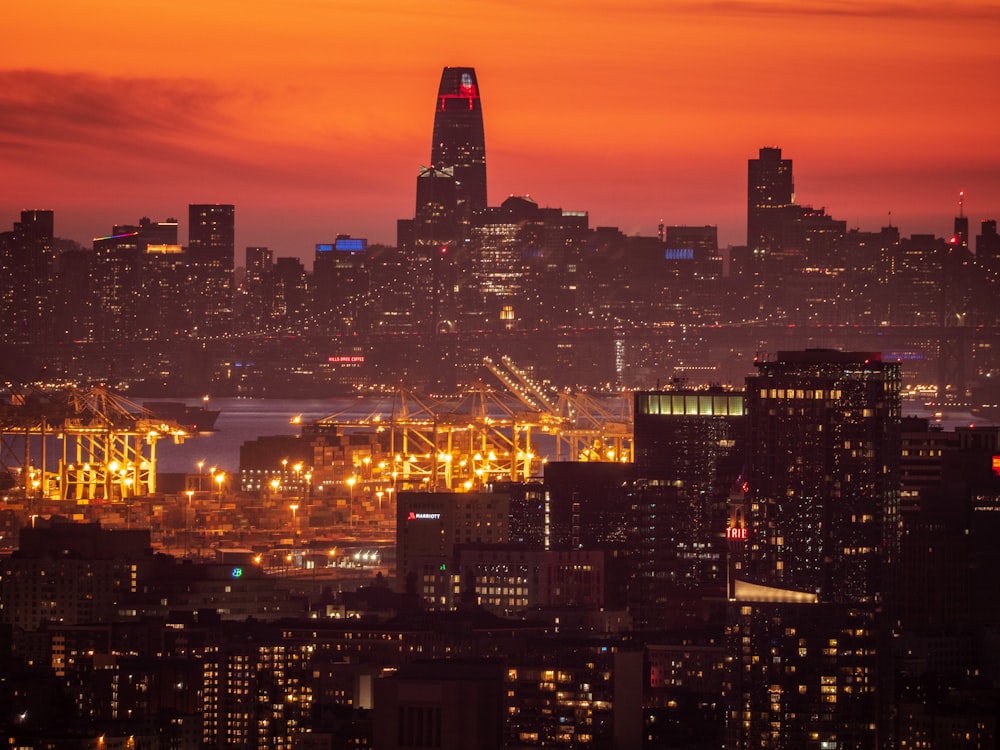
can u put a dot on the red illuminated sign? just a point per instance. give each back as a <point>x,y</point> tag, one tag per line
<point>737,533</point>
<point>356,359</point>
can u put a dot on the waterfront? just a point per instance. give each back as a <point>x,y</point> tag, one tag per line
<point>241,420</point>
<point>245,419</point>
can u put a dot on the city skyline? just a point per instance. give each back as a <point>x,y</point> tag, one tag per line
<point>313,122</point>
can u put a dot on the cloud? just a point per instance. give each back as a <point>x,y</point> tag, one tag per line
<point>850,8</point>
<point>39,107</point>
<point>890,9</point>
<point>102,129</point>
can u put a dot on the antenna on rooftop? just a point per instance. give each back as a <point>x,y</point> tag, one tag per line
<point>961,204</point>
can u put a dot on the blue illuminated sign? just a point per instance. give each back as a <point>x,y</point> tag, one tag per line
<point>351,244</point>
<point>678,253</point>
<point>237,572</point>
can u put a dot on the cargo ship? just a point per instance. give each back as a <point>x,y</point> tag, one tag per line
<point>191,418</point>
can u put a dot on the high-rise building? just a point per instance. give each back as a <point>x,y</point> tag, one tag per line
<point>688,453</point>
<point>341,286</point>
<point>211,230</point>
<point>27,263</point>
<point>817,543</point>
<point>988,241</point>
<point>289,290</point>
<point>429,525</point>
<point>139,274</point>
<point>769,192</point>
<point>823,473</point>
<point>256,290</point>
<point>450,192</point>
<point>212,248</point>
<point>459,142</point>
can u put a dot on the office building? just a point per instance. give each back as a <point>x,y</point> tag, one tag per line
<point>138,275</point>
<point>770,192</point>
<point>212,248</point>
<point>688,453</point>
<point>255,292</point>
<point>341,287</point>
<point>429,528</point>
<point>27,265</point>
<point>459,142</point>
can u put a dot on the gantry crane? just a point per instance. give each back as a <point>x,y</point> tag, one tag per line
<point>79,443</point>
<point>591,429</point>
<point>481,436</point>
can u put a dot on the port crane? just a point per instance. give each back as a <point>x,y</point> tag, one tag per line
<point>79,443</point>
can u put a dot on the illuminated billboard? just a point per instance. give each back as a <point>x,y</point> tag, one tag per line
<point>350,244</point>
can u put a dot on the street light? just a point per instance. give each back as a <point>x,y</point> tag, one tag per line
<point>220,478</point>
<point>294,508</point>
<point>350,502</point>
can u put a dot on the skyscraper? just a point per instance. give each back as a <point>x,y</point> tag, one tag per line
<point>211,230</point>
<point>823,473</point>
<point>27,264</point>
<point>459,142</point>
<point>769,192</point>
<point>813,591</point>
<point>450,192</point>
<point>212,248</point>
<point>688,452</point>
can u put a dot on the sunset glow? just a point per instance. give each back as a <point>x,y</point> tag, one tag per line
<point>313,116</point>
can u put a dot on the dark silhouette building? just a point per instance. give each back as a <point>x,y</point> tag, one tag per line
<point>459,142</point>
<point>212,248</point>
<point>823,473</point>
<point>813,586</point>
<point>27,263</point>
<point>770,192</point>
<point>688,453</point>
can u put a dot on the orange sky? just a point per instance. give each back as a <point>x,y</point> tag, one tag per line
<point>312,116</point>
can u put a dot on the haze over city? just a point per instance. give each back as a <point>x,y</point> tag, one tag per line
<point>313,117</point>
<point>677,428</point>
